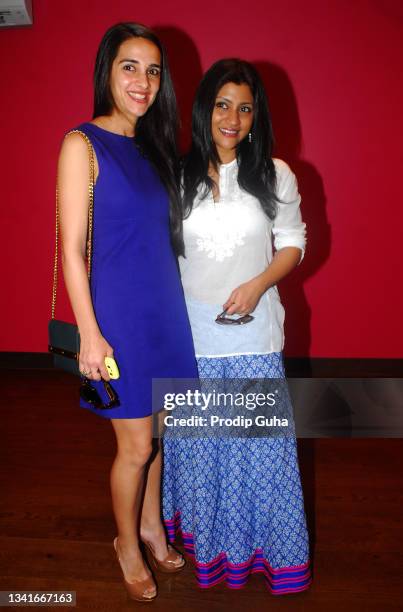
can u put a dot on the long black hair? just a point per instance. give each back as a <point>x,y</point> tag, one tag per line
<point>256,173</point>
<point>156,131</point>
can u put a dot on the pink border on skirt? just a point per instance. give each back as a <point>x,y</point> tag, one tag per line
<point>207,575</point>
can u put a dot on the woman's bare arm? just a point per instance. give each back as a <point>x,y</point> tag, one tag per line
<point>73,179</point>
<point>244,298</point>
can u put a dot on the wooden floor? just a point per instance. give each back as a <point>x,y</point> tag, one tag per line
<point>56,525</point>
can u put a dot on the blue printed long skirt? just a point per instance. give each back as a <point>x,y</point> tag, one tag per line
<point>237,502</point>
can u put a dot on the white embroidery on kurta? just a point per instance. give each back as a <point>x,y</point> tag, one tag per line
<point>219,233</point>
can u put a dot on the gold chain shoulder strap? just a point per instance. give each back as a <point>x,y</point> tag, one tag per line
<point>90,219</point>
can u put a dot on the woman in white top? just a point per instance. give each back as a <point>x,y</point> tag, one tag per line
<point>237,501</point>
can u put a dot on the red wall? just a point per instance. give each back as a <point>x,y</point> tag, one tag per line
<point>333,74</point>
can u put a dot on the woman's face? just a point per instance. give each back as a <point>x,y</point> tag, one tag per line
<point>232,118</point>
<point>135,77</point>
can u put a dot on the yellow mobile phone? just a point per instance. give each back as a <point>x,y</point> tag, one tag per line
<point>112,368</point>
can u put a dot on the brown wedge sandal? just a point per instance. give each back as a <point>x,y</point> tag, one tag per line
<point>173,562</point>
<point>137,589</point>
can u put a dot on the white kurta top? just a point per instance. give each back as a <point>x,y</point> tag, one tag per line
<point>228,243</point>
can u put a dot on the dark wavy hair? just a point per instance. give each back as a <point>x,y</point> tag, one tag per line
<point>256,173</point>
<point>156,131</point>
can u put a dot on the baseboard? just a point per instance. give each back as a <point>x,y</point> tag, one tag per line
<point>296,367</point>
<point>330,367</point>
<point>25,361</point>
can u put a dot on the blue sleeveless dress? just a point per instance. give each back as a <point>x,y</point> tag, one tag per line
<point>135,285</point>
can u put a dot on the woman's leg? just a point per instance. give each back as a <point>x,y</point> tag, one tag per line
<point>134,448</point>
<point>151,528</point>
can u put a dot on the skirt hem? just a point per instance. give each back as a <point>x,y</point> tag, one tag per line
<point>280,581</point>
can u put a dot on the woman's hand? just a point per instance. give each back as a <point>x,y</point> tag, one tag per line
<point>93,350</point>
<point>244,298</point>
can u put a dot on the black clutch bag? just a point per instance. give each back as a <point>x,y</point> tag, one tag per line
<point>64,339</point>
<point>64,344</point>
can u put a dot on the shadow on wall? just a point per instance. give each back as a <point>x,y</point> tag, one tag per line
<point>186,70</point>
<point>288,136</point>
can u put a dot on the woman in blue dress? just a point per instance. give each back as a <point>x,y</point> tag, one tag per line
<point>133,308</point>
<point>237,501</point>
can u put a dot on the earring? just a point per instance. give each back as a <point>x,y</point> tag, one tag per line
<point>250,136</point>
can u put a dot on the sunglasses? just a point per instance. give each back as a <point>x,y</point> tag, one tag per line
<point>222,319</point>
<point>89,394</point>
